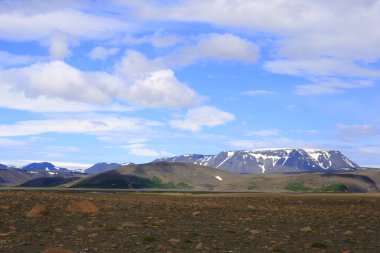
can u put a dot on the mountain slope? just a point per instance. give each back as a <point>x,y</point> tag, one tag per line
<point>160,175</point>
<point>102,167</point>
<point>270,160</point>
<point>48,181</point>
<point>13,177</point>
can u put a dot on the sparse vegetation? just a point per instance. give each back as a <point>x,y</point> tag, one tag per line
<point>332,188</point>
<point>298,187</point>
<point>252,186</point>
<point>131,182</point>
<point>319,245</point>
<point>149,238</point>
<point>157,183</point>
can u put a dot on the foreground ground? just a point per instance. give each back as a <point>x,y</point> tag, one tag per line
<point>138,222</point>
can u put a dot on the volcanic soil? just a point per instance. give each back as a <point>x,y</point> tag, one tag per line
<point>169,222</point>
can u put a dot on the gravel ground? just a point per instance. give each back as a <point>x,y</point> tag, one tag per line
<point>146,222</point>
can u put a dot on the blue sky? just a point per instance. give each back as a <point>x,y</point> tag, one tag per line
<point>130,81</point>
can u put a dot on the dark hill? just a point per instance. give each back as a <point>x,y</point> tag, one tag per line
<point>48,181</point>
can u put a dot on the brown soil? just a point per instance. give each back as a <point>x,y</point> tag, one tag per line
<point>130,222</point>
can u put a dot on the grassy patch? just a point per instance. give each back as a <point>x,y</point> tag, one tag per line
<point>298,187</point>
<point>157,183</point>
<point>149,238</point>
<point>351,241</point>
<point>252,186</point>
<point>332,188</point>
<point>319,245</point>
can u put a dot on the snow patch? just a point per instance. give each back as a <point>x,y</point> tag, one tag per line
<point>219,178</point>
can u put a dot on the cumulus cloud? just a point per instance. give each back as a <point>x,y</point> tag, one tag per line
<point>161,89</point>
<point>16,99</point>
<point>309,38</point>
<point>95,125</point>
<point>102,52</point>
<point>59,47</point>
<point>60,80</point>
<point>205,116</point>
<point>330,87</point>
<point>136,80</point>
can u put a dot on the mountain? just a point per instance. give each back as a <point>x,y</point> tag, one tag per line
<point>102,167</point>
<point>13,176</point>
<point>3,166</point>
<point>186,176</point>
<point>43,166</point>
<point>270,160</point>
<point>160,175</point>
<point>48,181</point>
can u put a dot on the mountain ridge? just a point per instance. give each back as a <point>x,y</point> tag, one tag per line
<point>270,160</point>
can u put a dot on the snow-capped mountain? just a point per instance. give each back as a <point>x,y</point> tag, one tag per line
<point>270,160</point>
<point>44,166</point>
<point>3,166</point>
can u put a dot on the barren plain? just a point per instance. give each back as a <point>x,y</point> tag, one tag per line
<point>184,222</point>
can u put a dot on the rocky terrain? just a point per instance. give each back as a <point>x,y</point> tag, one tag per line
<point>130,222</point>
<point>270,160</point>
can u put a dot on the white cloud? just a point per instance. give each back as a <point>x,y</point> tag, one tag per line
<point>137,81</point>
<point>141,149</point>
<point>354,132</point>
<point>59,48</point>
<point>158,39</point>
<point>335,28</point>
<point>330,87</point>
<point>214,46</point>
<point>161,89</point>
<point>24,25</point>
<point>276,142</point>
<point>153,85</point>
<point>59,80</point>
<point>7,59</point>
<point>94,125</point>
<point>205,116</point>
<point>320,67</point>
<point>256,93</point>
<point>265,132</point>
<point>15,99</point>
<point>311,39</point>
<point>102,52</point>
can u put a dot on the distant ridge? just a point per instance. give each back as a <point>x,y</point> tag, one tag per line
<point>270,160</point>
<point>102,167</point>
<point>43,166</point>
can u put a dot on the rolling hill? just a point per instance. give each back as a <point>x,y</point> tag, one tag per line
<point>160,175</point>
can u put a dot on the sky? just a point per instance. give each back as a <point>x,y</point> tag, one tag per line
<point>131,81</point>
